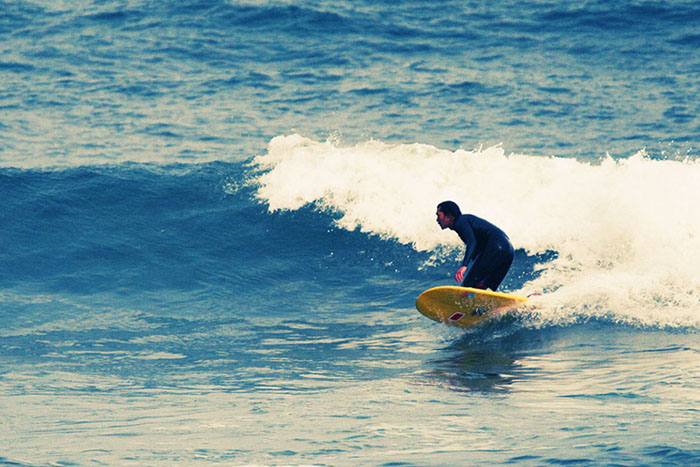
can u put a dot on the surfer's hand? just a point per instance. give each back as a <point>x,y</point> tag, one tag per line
<point>460,273</point>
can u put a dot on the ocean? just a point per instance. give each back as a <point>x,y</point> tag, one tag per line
<point>217,215</point>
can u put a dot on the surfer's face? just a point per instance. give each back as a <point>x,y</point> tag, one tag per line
<point>443,220</point>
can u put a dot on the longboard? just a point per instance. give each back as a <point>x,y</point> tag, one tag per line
<point>465,307</point>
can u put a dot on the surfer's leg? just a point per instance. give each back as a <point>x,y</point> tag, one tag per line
<point>491,267</point>
<point>476,276</point>
<point>497,275</point>
<point>503,259</point>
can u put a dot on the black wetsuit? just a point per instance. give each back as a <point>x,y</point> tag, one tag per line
<point>489,248</point>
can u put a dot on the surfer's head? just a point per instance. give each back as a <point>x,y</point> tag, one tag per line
<point>447,213</point>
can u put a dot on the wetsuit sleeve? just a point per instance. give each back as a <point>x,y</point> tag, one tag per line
<point>465,232</point>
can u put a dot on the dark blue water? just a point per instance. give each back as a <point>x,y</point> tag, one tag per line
<point>216,217</point>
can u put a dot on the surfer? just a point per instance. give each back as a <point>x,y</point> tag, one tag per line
<point>487,246</point>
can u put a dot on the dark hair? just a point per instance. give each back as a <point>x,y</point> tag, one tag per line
<point>450,208</point>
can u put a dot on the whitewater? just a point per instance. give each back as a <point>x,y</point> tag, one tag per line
<point>623,231</point>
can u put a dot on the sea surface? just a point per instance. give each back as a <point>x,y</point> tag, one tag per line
<point>216,216</point>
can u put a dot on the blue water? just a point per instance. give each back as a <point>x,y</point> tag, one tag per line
<point>216,217</point>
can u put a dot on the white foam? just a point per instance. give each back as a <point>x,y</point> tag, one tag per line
<point>627,232</point>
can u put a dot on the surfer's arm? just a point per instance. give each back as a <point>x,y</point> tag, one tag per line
<point>460,273</point>
<point>466,233</point>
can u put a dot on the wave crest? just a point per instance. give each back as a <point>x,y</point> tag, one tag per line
<point>625,230</point>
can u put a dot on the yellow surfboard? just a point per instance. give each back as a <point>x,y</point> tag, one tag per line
<point>465,307</point>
